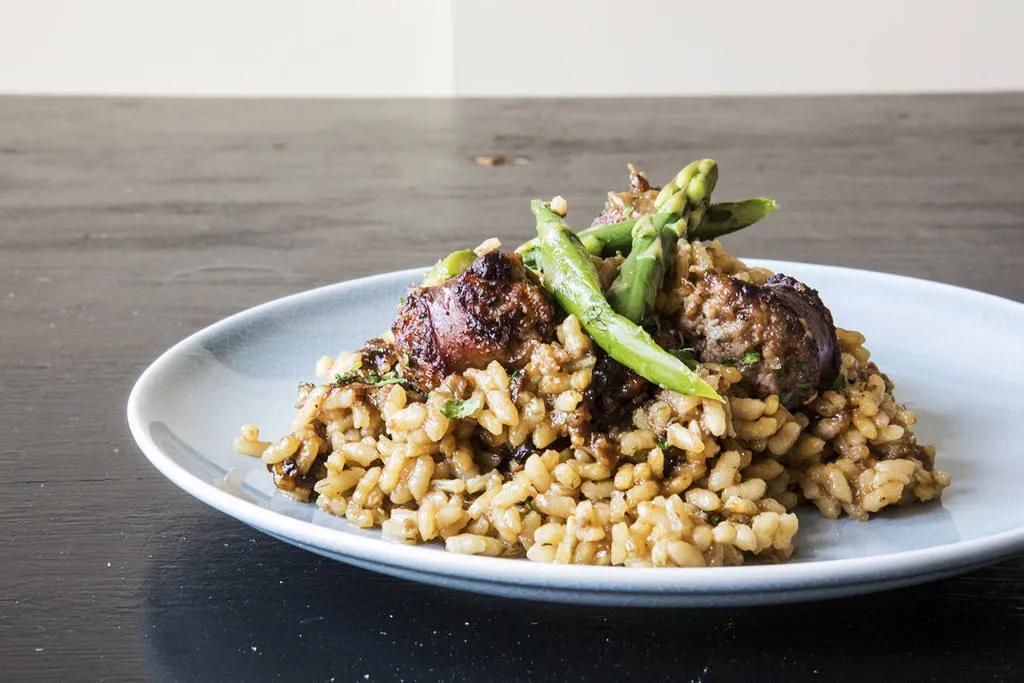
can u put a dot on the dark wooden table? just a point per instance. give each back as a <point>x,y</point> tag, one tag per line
<point>127,224</point>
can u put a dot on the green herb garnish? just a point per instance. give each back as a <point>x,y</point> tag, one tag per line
<point>459,409</point>
<point>387,378</point>
<point>375,380</point>
<point>528,505</point>
<point>750,357</point>
<point>350,375</point>
<point>839,382</point>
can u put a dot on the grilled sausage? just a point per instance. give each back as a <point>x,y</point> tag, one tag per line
<point>493,311</point>
<point>780,335</point>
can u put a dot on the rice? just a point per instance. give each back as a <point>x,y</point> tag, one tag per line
<point>684,481</point>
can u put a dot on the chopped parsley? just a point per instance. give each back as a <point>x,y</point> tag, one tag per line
<point>750,358</point>
<point>373,379</point>
<point>729,362</point>
<point>839,382</point>
<point>663,445</point>
<point>459,409</point>
<point>385,379</point>
<point>350,375</point>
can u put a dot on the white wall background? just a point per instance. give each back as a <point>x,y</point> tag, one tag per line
<point>524,47</point>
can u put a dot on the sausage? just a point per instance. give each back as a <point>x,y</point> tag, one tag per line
<point>493,311</point>
<point>780,334</point>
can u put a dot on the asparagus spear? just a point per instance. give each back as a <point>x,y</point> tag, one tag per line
<point>633,292</point>
<point>641,275</point>
<point>692,187</point>
<point>607,240</point>
<point>726,217</point>
<point>450,266</point>
<point>571,277</point>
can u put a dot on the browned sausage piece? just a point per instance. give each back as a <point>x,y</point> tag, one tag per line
<point>780,334</point>
<point>492,311</point>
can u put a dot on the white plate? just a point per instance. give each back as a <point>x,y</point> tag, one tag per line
<point>954,355</point>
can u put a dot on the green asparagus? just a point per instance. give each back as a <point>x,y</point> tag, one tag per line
<point>633,292</point>
<point>691,179</point>
<point>683,202</point>
<point>571,277</point>
<point>451,265</point>
<point>609,239</point>
<point>726,217</point>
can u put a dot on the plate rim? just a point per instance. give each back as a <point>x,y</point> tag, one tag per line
<point>576,578</point>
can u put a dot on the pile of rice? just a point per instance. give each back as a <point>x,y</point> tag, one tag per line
<point>691,482</point>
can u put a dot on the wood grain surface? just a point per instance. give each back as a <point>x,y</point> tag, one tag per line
<point>127,224</point>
